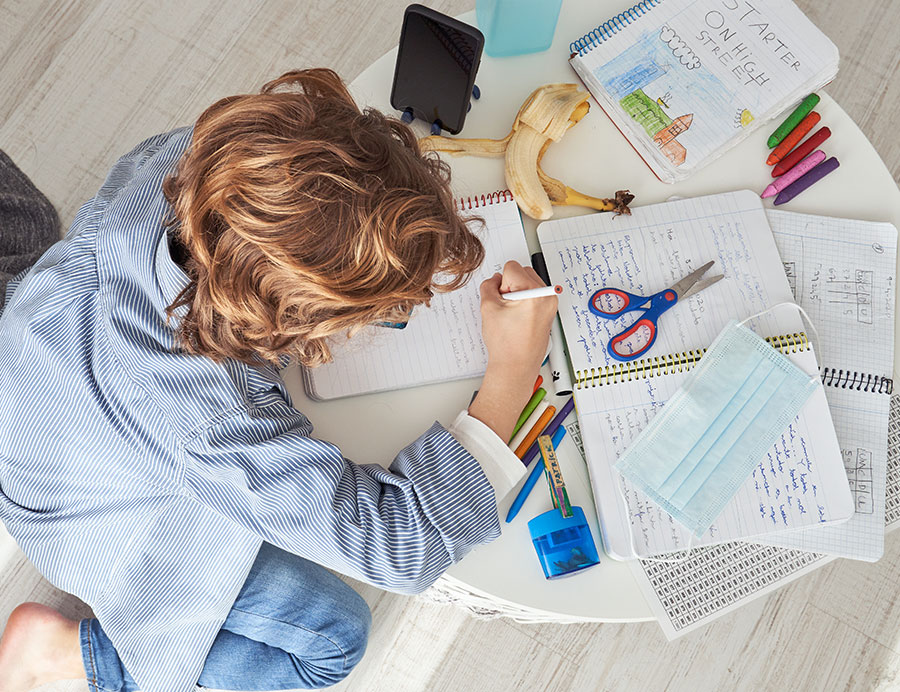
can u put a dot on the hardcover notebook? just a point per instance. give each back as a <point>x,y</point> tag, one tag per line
<point>643,254</point>
<point>686,80</point>
<point>439,343</point>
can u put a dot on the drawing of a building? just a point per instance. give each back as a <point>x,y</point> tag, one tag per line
<point>665,139</point>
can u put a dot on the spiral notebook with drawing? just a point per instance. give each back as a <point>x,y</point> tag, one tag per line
<point>685,80</point>
<point>643,254</point>
<point>441,342</point>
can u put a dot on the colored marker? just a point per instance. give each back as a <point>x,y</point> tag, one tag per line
<point>793,120</point>
<point>541,292</point>
<point>803,182</point>
<point>529,407</point>
<point>537,382</point>
<point>801,169</point>
<point>789,142</point>
<point>567,408</point>
<point>800,153</point>
<point>528,424</point>
<point>532,479</point>
<point>535,431</point>
<point>561,378</point>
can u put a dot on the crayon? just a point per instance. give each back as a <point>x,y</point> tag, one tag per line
<point>538,428</point>
<point>529,407</point>
<point>789,142</point>
<point>792,120</point>
<point>803,182</point>
<point>537,383</point>
<point>801,152</point>
<point>802,168</point>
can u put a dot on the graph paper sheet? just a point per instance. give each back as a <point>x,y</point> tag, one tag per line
<point>715,580</point>
<point>843,274</point>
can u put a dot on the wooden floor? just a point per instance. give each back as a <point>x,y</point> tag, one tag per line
<point>81,82</point>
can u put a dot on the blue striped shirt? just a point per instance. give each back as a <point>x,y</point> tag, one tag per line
<point>143,480</point>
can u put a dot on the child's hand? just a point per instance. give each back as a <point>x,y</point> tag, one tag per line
<point>516,334</point>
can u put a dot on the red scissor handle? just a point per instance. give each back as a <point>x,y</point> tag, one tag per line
<point>620,346</point>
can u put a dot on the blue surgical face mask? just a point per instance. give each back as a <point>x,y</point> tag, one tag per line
<point>698,450</point>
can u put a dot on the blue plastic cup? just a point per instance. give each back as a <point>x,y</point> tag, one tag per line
<point>516,27</point>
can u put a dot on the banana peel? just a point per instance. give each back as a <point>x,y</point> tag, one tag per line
<point>544,117</point>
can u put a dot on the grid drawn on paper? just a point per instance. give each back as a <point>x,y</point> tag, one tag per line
<point>719,576</point>
<point>843,273</point>
<point>861,423</point>
<point>892,498</point>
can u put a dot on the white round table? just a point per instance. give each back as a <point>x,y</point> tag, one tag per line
<point>593,158</point>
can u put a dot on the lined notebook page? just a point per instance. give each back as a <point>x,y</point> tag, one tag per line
<point>800,482</point>
<point>651,250</point>
<point>441,342</point>
<point>843,274</point>
<point>688,77</point>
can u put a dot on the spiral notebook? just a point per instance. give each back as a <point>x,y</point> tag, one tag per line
<point>642,254</point>
<point>440,342</point>
<point>686,80</point>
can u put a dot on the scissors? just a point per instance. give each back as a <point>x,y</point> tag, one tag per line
<point>637,339</point>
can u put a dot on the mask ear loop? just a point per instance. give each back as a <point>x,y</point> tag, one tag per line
<point>671,561</point>
<point>812,332</point>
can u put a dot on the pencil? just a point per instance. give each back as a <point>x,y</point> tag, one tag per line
<point>535,431</point>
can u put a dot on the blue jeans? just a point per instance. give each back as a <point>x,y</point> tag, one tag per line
<point>294,625</point>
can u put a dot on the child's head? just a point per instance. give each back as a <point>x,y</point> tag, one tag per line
<point>305,217</point>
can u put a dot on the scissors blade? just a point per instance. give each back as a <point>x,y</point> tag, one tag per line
<point>685,284</point>
<point>699,286</point>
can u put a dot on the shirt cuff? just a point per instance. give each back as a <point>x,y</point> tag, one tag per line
<point>502,468</point>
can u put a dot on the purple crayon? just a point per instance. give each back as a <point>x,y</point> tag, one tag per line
<point>798,171</point>
<point>805,181</point>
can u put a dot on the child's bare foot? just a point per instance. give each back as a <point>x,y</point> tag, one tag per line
<point>38,646</point>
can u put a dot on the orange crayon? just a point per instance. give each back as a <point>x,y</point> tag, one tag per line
<point>789,142</point>
<point>535,431</point>
<point>537,383</point>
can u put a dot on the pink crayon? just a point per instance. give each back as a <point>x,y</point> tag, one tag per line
<point>797,171</point>
<point>811,178</point>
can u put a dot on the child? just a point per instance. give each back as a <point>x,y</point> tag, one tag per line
<point>151,461</point>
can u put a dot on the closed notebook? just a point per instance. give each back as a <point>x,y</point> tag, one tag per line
<point>686,80</point>
<point>642,254</point>
<point>440,342</point>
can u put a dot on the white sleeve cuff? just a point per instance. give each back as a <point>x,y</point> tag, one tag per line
<point>503,469</point>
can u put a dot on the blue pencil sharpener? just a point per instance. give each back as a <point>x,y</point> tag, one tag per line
<point>564,546</point>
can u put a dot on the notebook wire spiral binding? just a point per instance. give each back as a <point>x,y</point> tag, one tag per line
<point>671,363</point>
<point>860,381</point>
<point>595,37</point>
<point>467,203</point>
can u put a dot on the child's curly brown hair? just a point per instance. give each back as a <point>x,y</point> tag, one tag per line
<point>305,217</point>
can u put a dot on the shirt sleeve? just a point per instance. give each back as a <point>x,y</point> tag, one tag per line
<point>398,528</point>
<point>503,468</point>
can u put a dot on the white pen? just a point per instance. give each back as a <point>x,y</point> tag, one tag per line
<point>541,292</point>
